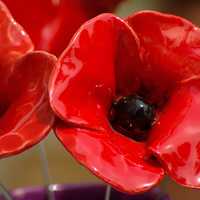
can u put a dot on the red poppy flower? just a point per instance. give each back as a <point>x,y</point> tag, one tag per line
<point>139,78</point>
<point>25,114</point>
<point>51,23</point>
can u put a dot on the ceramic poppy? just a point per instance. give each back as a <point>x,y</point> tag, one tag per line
<point>51,23</point>
<point>127,95</point>
<point>25,114</point>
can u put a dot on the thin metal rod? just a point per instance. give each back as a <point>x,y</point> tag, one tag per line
<point>45,171</point>
<point>108,192</point>
<point>4,191</point>
<point>165,185</point>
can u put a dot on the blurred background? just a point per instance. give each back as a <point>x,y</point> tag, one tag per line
<point>184,8</point>
<point>25,169</point>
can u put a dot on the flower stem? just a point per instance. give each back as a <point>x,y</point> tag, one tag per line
<point>45,171</point>
<point>4,191</point>
<point>108,192</point>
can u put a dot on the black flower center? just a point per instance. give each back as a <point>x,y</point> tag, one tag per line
<point>132,116</point>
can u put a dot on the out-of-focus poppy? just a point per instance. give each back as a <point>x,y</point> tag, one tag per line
<point>52,23</point>
<point>25,114</point>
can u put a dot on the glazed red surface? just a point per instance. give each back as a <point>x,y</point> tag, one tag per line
<point>175,140</point>
<point>91,85</point>
<point>150,54</point>
<point>51,23</point>
<point>86,80</point>
<point>170,50</point>
<point>25,115</point>
<point>111,156</point>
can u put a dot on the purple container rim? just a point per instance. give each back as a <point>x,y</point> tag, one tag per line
<point>55,187</point>
<point>70,190</point>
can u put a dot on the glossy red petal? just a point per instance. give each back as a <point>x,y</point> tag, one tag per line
<point>112,157</point>
<point>84,84</point>
<point>52,23</point>
<point>25,114</point>
<point>170,50</point>
<point>175,138</point>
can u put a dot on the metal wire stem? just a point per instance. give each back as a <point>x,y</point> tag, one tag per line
<point>108,192</point>
<point>45,171</point>
<point>5,192</point>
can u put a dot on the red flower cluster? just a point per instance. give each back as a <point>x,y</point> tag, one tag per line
<point>126,91</point>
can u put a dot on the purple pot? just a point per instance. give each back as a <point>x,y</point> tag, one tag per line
<point>83,192</point>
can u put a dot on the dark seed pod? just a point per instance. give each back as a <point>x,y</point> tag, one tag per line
<point>132,114</point>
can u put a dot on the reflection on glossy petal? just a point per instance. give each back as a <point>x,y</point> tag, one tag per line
<point>111,156</point>
<point>28,117</point>
<point>176,140</point>
<point>85,74</point>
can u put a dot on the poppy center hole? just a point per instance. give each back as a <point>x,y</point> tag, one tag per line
<point>132,116</point>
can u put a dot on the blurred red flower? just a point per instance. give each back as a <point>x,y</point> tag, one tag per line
<point>25,114</point>
<point>51,23</point>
